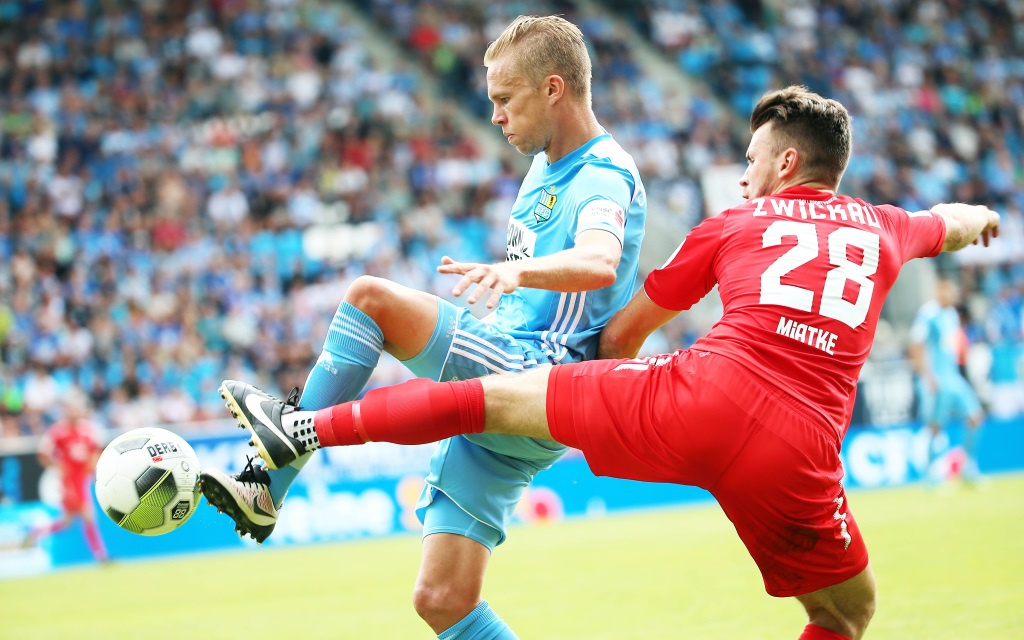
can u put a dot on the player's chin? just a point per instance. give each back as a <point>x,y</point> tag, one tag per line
<point>523,146</point>
<point>520,147</point>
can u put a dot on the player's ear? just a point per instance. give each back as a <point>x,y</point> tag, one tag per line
<point>555,87</point>
<point>789,163</point>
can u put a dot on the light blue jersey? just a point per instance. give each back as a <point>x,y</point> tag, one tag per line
<point>937,328</point>
<point>595,187</point>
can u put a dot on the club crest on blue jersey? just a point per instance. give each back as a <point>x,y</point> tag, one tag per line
<point>545,205</point>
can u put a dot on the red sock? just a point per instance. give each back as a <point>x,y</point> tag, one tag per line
<point>814,632</point>
<point>93,539</point>
<point>414,412</point>
<point>56,526</point>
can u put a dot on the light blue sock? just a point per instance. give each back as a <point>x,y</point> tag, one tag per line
<point>351,351</point>
<point>481,624</point>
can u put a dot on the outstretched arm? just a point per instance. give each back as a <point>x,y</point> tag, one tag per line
<point>966,224</point>
<point>589,265</point>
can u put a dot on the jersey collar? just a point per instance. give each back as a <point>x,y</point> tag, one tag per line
<point>574,155</point>
<point>800,192</point>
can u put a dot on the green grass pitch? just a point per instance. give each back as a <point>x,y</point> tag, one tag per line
<point>949,562</point>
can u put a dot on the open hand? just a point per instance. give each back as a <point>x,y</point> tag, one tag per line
<point>497,279</point>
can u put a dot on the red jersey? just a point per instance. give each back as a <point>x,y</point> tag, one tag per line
<point>73,447</point>
<point>802,275</point>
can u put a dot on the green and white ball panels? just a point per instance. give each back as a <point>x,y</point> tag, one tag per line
<point>147,481</point>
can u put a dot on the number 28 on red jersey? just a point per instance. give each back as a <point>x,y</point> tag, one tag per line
<point>802,275</point>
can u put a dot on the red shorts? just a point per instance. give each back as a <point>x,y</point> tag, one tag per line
<point>75,496</point>
<point>700,419</point>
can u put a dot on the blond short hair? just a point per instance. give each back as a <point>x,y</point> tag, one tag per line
<point>545,45</point>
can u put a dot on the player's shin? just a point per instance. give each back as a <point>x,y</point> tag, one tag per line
<point>351,351</point>
<point>414,412</point>
<point>94,540</point>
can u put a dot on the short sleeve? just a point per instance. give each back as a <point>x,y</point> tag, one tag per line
<point>689,274</point>
<point>604,193</point>
<point>921,233</point>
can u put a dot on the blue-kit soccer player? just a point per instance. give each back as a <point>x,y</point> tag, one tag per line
<point>936,342</point>
<point>573,244</point>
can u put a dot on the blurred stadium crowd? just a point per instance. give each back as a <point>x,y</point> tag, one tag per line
<point>186,188</point>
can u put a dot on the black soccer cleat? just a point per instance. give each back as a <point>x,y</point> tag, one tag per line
<point>281,431</point>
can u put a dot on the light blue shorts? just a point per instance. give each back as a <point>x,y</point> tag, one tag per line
<point>954,399</point>
<point>483,475</point>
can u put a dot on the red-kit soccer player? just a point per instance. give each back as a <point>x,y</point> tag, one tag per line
<point>72,447</point>
<point>755,412</point>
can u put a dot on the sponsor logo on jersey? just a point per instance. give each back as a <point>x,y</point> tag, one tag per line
<point>521,242</point>
<point>602,212</point>
<point>545,205</point>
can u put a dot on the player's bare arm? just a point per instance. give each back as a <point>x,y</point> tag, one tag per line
<point>626,332</point>
<point>967,224</point>
<point>589,265</point>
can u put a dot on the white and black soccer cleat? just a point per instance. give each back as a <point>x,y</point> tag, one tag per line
<point>281,431</point>
<point>245,497</point>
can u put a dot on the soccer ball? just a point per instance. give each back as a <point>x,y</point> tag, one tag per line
<point>147,481</point>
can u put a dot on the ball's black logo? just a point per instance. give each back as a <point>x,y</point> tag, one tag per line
<point>160,448</point>
<point>180,510</point>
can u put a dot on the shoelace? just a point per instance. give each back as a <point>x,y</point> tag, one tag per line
<point>248,474</point>
<point>291,400</point>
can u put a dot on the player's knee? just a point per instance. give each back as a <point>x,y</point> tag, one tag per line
<point>370,295</point>
<point>442,605</point>
<point>850,619</point>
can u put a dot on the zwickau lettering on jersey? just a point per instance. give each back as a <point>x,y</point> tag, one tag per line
<point>864,215</point>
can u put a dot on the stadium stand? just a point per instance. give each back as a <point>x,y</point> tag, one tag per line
<point>186,188</point>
